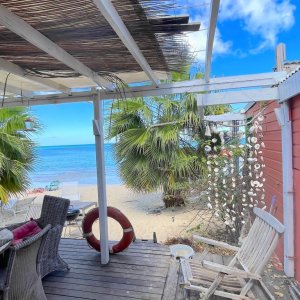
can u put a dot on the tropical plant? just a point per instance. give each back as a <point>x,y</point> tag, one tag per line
<point>16,151</point>
<point>158,143</point>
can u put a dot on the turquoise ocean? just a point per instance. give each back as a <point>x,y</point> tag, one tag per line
<point>72,163</point>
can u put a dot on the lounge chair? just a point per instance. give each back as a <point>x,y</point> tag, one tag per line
<point>53,186</point>
<point>16,206</point>
<point>236,280</point>
<point>19,277</point>
<point>54,212</point>
<point>69,190</point>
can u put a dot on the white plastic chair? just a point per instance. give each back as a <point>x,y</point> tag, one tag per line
<point>16,206</point>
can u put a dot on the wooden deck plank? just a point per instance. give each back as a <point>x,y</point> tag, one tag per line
<point>88,282</point>
<point>134,250</point>
<point>102,290</point>
<point>138,280</point>
<point>111,270</point>
<point>139,272</point>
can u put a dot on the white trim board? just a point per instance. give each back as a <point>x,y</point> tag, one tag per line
<point>266,94</point>
<point>290,87</point>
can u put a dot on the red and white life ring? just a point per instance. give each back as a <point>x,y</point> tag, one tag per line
<point>93,215</point>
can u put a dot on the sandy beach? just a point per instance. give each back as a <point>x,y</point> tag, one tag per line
<point>146,212</point>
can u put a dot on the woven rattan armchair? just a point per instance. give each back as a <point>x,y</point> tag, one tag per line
<point>54,212</point>
<point>19,276</point>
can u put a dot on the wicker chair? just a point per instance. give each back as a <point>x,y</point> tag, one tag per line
<point>54,212</point>
<point>19,277</point>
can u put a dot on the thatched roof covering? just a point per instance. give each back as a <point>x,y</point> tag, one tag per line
<point>78,27</point>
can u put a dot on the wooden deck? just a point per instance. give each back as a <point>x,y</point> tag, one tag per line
<point>140,272</point>
<point>143,271</point>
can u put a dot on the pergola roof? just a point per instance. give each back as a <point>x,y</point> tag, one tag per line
<point>129,39</point>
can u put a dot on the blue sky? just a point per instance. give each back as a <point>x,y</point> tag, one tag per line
<point>246,37</point>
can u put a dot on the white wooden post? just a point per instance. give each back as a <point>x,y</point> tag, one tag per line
<point>101,184</point>
<point>288,193</point>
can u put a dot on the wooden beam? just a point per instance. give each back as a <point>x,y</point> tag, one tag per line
<point>115,21</point>
<point>179,19</point>
<point>26,31</point>
<point>242,96</point>
<point>17,70</point>
<point>214,9</point>
<point>167,28</point>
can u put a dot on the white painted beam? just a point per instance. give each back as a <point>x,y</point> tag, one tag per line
<point>214,10</point>
<point>193,86</point>
<point>26,31</point>
<point>17,70</point>
<point>225,117</point>
<point>242,96</point>
<point>111,15</point>
<point>14,90</point>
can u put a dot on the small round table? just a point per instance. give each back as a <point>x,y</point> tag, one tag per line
<point>6,237</point>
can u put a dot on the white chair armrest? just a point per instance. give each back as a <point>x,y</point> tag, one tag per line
<point>229,270</point>
<point>215,243</point>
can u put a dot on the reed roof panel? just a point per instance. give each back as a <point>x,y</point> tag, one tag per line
<point>78,27</point>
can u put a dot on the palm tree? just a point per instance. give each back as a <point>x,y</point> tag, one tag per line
<point>159,143</point>
<point>16,151</point>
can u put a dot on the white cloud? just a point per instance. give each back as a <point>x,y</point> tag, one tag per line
<point>197,40</point>
<point>262,18</point>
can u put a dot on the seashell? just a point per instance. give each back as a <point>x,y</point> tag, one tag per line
<point>260,118</point>
<point>251,129</point>
<point>257,166</point>
<point>207,131</point>
<point>262,144</point>
<point>214,129</point>
<point>256,146</point>
<point>263,208</point>
<point>233,229</point>
<point>207,148</point>
<point>243,222</point>
<point>209,205</point>
<point>214,140</point>
<point>216,170</point>
<point>253,139</point>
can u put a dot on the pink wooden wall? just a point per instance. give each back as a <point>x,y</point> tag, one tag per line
<point>273,169</point>
<point>273,162</point>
